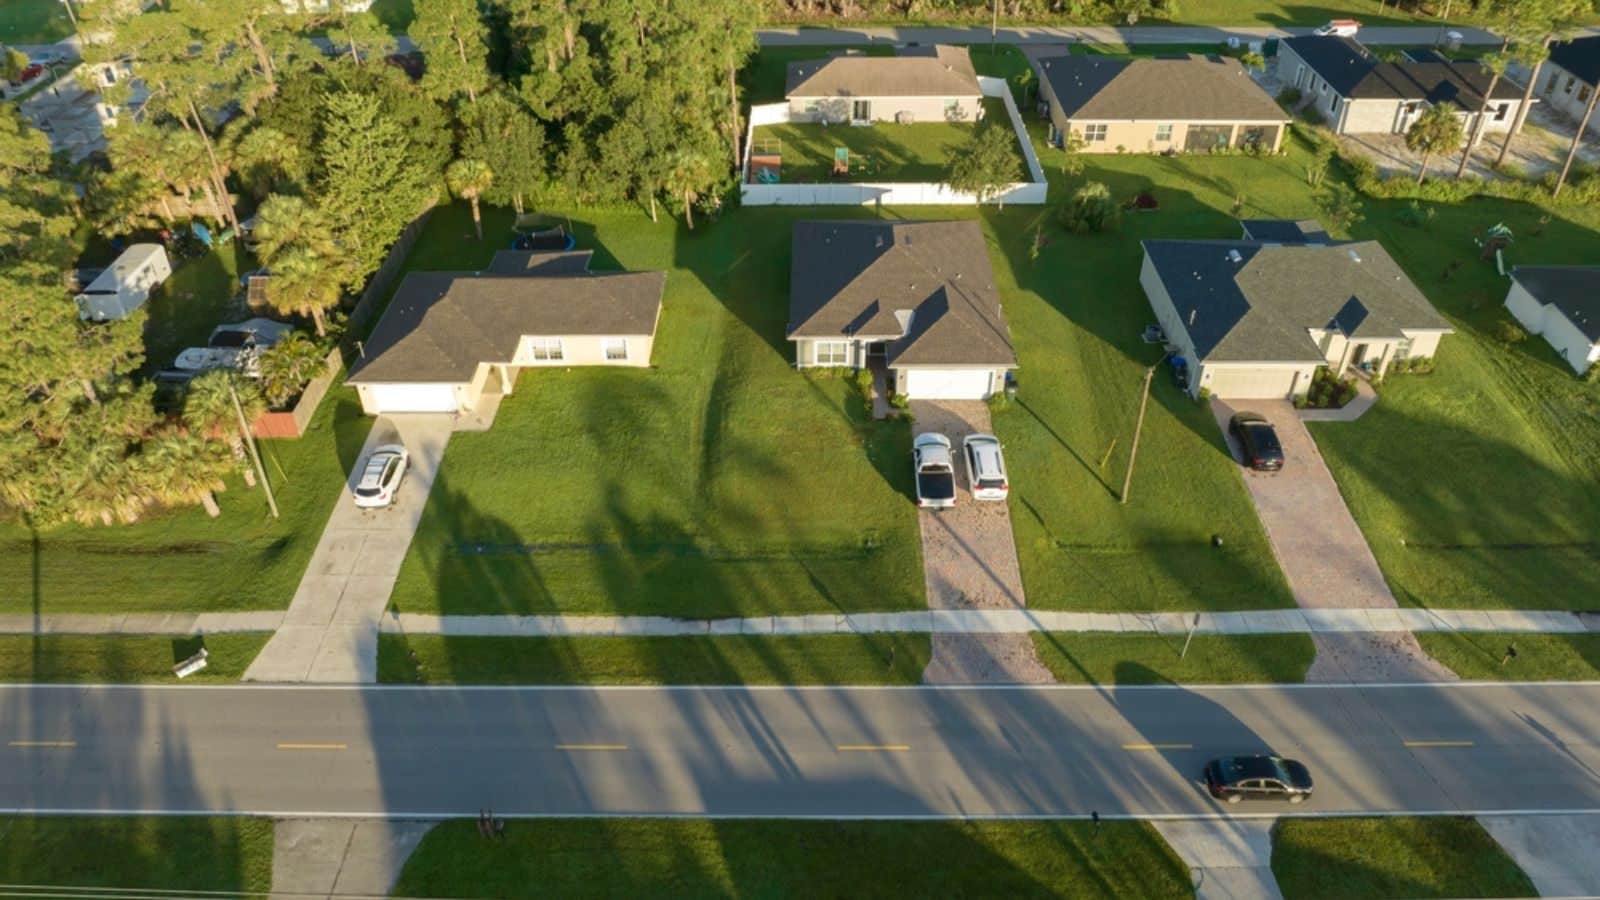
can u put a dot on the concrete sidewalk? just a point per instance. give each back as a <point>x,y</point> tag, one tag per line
<point>1229,860</point>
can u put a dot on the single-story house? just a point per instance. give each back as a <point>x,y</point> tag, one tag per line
<point>917,299</point>
<point>1284,231</point>
<point>447,338</point>
<point>124,287</point>
<point>1570,77</point>
<point>1188,103</point>
<point>922,84</point>
<point>1357,93</point>
<point>1563,304</point>
<point>1256,319</point>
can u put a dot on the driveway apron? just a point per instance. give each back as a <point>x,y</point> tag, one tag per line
<point>1324,555</point>
<point>330,633</point>
<point>969,561</point>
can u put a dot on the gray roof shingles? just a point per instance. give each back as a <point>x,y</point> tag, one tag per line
<point>1354,72</point>
<point>441,325</point>
<point>943,72</point>
<point>1261,307</point>
<point>1575,290</point>
<point>861,279</point>
<point>1213,89</point>
<point>1580,56</point>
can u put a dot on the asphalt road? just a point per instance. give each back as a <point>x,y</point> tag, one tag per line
<point>787,752</point>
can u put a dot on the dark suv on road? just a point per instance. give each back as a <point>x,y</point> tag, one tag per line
<point>1235,778</point>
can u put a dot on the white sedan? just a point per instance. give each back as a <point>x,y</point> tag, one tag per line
<point>380,476</point>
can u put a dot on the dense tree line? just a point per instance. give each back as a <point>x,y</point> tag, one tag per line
<point>825,12</point>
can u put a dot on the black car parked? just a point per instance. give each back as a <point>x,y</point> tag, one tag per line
<point>1259,442</point>
<point>1234,778</point>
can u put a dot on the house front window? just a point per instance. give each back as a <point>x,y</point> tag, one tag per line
<point>861,110</point>
<point>1501,111</point>
<point>1583,93</point>
<point>1402,350</point>
<point>616,349</point>
<point>832,353</point>
<point>545,349</point>
<point>952,109</point>
<point>1095,133</point>
<point>1163,132</point>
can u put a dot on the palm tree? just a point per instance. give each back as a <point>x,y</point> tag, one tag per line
<point>109,488</point>
<point>305,284</point>
<point>468,179</point>
<point>689,174</point>
<point>184,468</point>
<point>1437,129</point>
<point>286,222</point>
<point>1496,63</point>
<point>209,413</point>
<point>288,366</point>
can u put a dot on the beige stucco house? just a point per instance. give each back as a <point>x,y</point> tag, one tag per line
<point>1185,104</point>
<point>448,338</point>
<point>921,84</point>
<point>914,300</point>
<point>1562,304</point>
<point>1255,318</point>
<point>1569,78</point>
<point>1356,92</point>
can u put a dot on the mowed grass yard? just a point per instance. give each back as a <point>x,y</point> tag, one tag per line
<point>33,21</point>
<point>883,151</point>
<point>695,858</point>
<point>182,561</point>
<point>718,482</point>
<point>113,854</point>
<point>1382,858</point>
<point>113,659</point>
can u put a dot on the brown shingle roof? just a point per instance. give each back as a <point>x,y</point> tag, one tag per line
<point>441,325</point>
<point>943,72</point>
<point>1176,90</point>
<point>927,286</point>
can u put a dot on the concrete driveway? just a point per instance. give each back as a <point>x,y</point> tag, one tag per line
<point>1323,553</point>
<point>969,561</point>
<point>330,633</point>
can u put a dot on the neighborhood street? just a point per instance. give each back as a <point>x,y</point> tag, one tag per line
<point>827,752</point>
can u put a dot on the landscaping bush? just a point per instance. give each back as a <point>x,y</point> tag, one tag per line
<point>1289,97</point>
<point>1509,332</point>
<point>1089,209</point>
<point>1415,215</point>
<point>900,401</point>
<point>863,379</point>
<point>1328,392</point>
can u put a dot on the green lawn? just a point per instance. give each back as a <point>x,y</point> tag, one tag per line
<point>808,659</point>
<point>1479,485</point>
<point>718,482</point>
<point>33,21</point>
<point>1540,657</point>
<point>1382,858</point>
<point>1076,314</point>
<point>183,561</point>
<point>110,659</point>
<point>883,151</point>
<point>1154,659</point>
<point>154,853</point>
<point>690,858</point>
<point>187,306</point>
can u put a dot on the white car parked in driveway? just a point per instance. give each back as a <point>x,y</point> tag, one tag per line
<point>986,467</point>
<point>380,476</point>
<point>936,476</point>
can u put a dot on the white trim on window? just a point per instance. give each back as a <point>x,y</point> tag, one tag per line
<point>1095,133</point>
<point>616,349</point>
<point>1163,132</point>
<point>546,349</point>
<point>830,353</point>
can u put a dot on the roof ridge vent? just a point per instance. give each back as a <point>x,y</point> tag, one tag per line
<point>1234,256</point>
<point>1354,256</point>
<point>1193,311</point>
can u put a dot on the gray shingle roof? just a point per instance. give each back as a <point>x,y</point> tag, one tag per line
<point>1353,71</point>
<point>1189,88</point>
<point>1284,231</point>
<point>1259,306</point>
<point>441,325</point>
<point>1575,290</point>
<point>940,72</point>
<point>1580,56</point>
<point>928,286</point>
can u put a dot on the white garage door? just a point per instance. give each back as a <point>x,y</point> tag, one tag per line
<point>1248,383</point>
<point>393,398</point>
<point>948,384</point>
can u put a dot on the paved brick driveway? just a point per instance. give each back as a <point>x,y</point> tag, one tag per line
<point>969,561</point>
<point>1324,555</point>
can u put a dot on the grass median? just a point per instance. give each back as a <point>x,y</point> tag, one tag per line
<point>1366,859</point>
<point>112,659</point>
<point>734,659</point>
<point>1481,656</point>
<point>1095,658</point>
<point>153,854</point>
<point>741,858</point>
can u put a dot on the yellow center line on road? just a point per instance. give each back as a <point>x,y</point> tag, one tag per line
<point>312,747</point>
<point>58,744</point>
<point>596,747</point>
<point>1438,743</point>
<point>873,748</point>
<point>1158,746</point>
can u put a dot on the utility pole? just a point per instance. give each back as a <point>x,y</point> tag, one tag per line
<point>994,26</point>
<point>1138,428</point>
<point>70,14</point>
<point>250,444</point>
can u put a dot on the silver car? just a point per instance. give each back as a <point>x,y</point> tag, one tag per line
<point>986,467</point>
<point>380,478</point>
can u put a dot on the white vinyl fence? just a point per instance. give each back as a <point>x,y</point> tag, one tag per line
<point>889,193</point>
